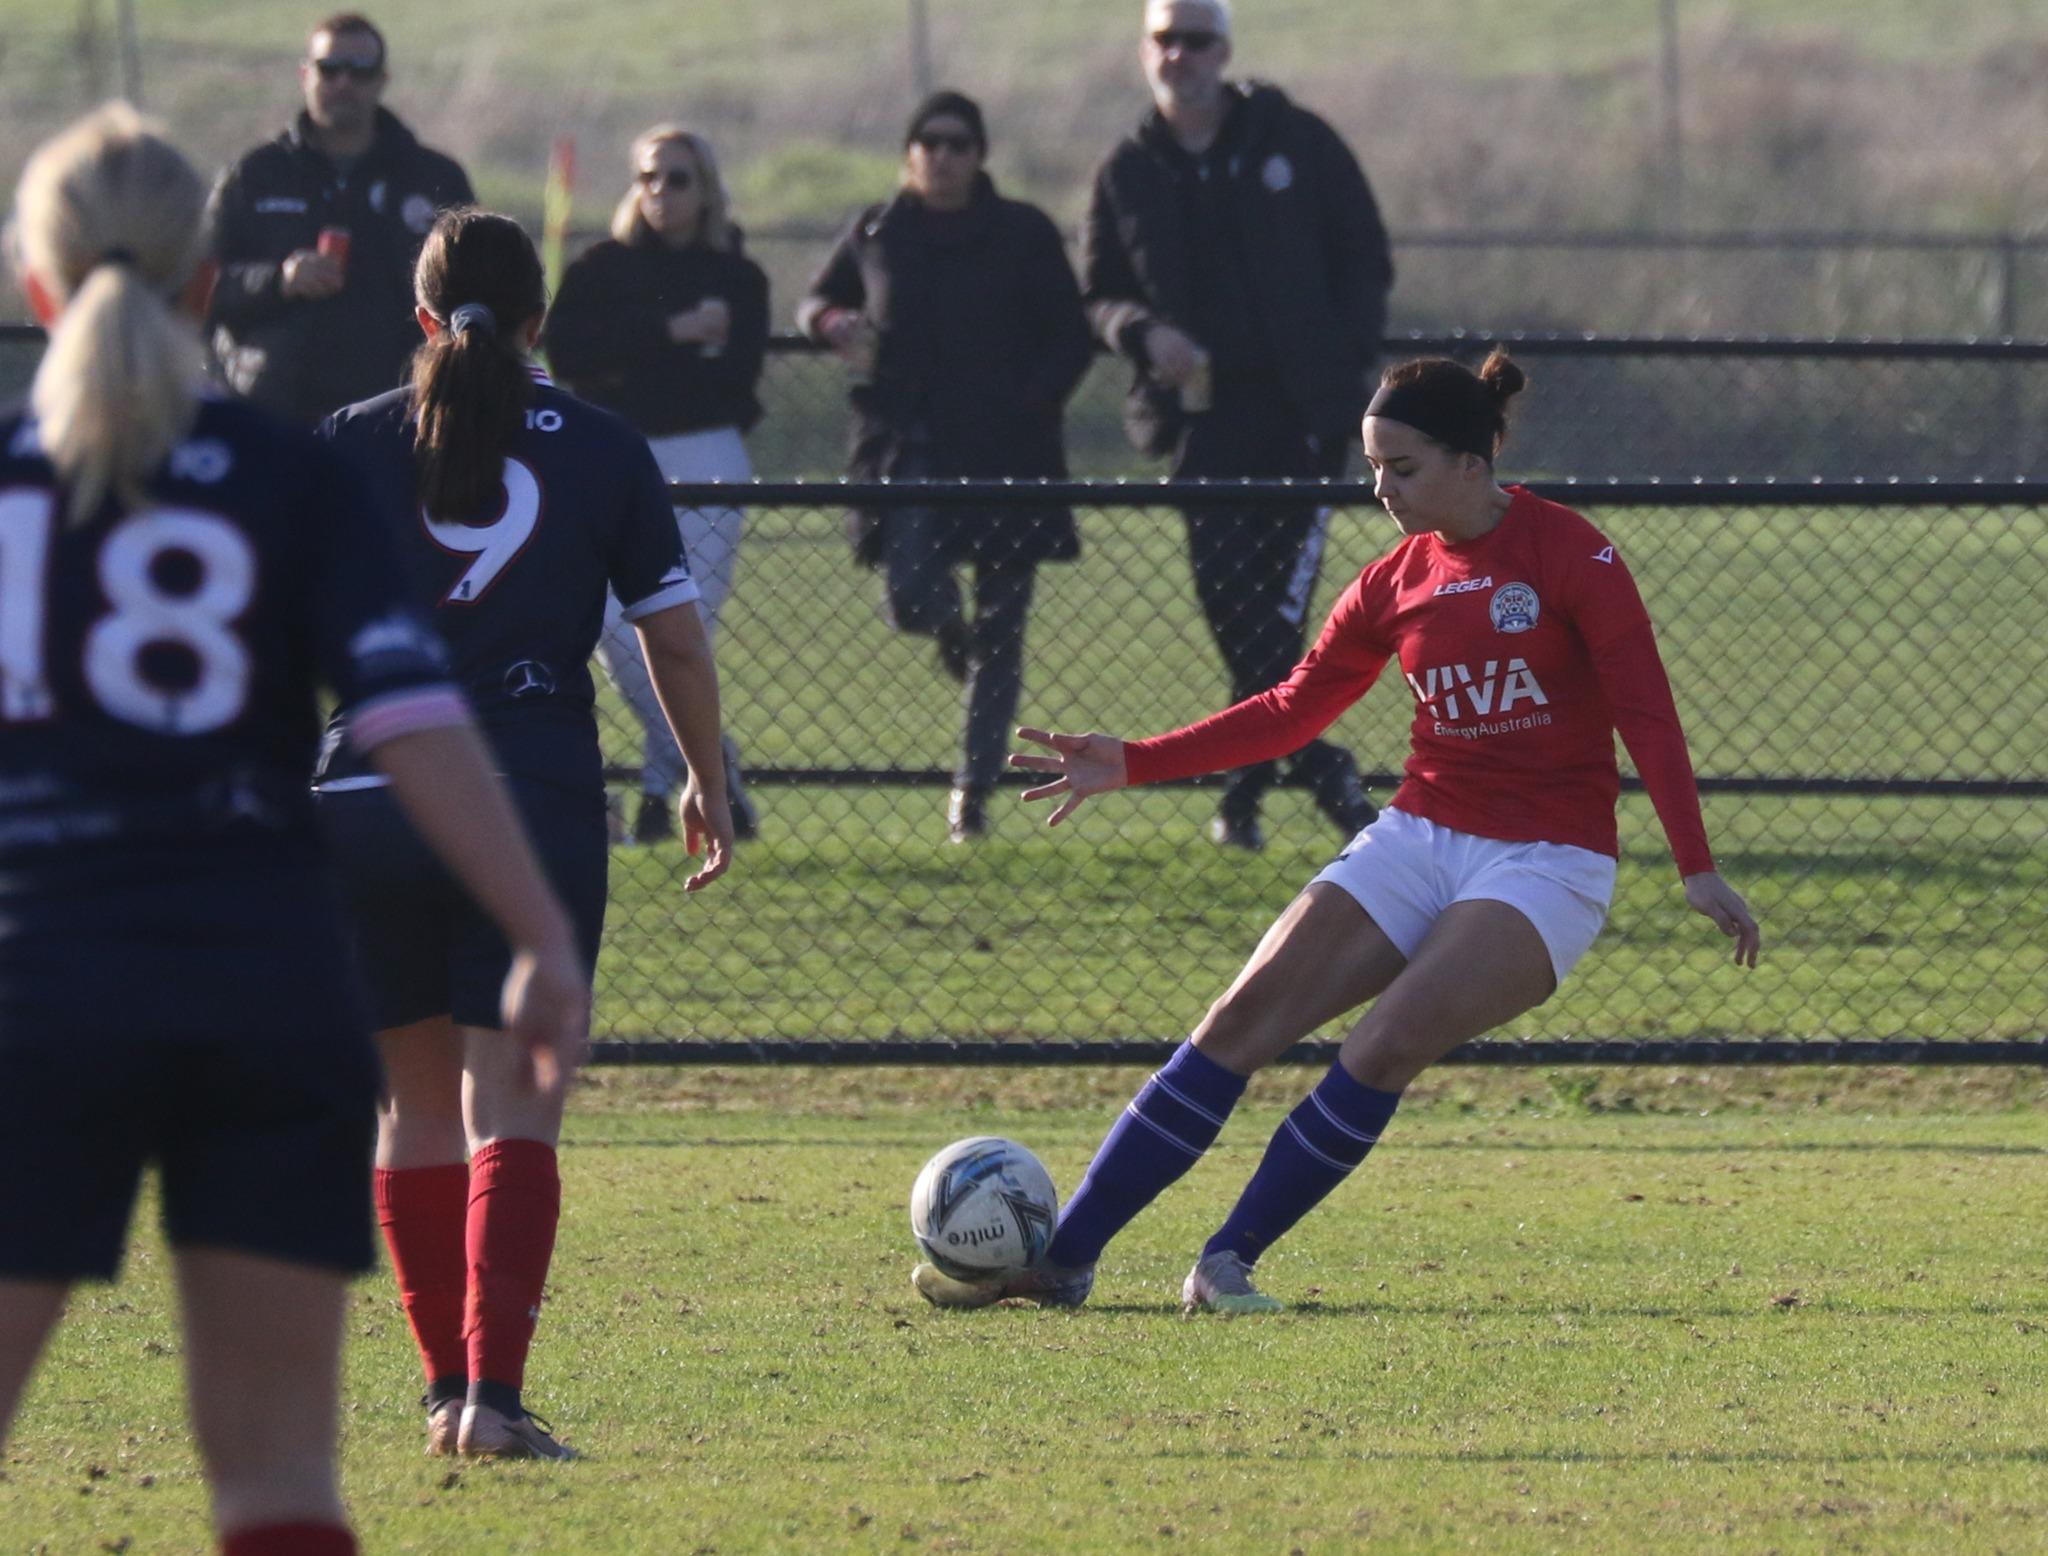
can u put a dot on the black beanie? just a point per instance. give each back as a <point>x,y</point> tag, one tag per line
<point>949,105</point>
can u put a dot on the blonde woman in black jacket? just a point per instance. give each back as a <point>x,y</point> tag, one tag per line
<point>666,323</point>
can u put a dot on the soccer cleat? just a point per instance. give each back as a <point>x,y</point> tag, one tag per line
<point>489,1434</point>
<point>1244,832</point>
<point>1046,1284</point>
<point>1221,1282</point>
<point>444,1425</point>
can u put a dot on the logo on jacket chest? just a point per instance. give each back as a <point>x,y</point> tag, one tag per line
<point>1451,692</point>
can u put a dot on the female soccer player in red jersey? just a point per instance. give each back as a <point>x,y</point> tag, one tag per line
<point>1521,633</point>
<point>178,574</point>
<point>522,505</point>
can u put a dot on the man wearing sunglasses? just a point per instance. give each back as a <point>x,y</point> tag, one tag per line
<point>317,232</point>
<point>1234,253</point>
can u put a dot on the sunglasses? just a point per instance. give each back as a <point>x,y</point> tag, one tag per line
<point>654,178</point>
<point>1187,40</point>
<point>355,70</point>
<point>959,145</point>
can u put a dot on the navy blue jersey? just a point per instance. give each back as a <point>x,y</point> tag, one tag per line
<point>519,596</point>
<point>160,668</point>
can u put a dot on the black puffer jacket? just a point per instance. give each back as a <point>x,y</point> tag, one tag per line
<point>1310,243</point>
<point>980,339</point>
<point>303,359</point>
<point>607,335</point>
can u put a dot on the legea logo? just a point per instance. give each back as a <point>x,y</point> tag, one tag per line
<point>1468,586</point>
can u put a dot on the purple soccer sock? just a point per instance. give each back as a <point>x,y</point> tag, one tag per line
<point>1314,1149</point>
<point>1163,1132</point>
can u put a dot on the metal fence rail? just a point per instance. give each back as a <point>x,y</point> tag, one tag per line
<point>1600,407</point>
<point>1858,666</point>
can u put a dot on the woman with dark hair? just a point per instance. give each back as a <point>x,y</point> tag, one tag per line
<point>666,323</point>
<point>1520,630</point>
<point>182,574</point>
<point>524,505</point>
<point>959,317</point>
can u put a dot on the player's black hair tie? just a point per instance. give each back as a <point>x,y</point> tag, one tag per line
<point>1458,421</point>
<point>116,256</point>
<point>472,316</point>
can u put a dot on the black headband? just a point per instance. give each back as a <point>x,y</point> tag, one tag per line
<point>1451,418</point>
<point>116,256</point>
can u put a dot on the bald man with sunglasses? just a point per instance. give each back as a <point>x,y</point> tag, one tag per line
<point>317,232</point>
<point>1234,254</point>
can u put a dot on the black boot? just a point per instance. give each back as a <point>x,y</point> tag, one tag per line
<point>655,822</point>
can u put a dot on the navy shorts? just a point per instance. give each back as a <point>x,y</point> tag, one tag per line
<point>422,947</point>
<point>211,1027</point>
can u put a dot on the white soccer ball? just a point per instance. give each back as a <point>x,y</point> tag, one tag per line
<point>983,1208</point>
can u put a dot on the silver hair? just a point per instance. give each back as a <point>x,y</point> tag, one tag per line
<point>1219,11</point>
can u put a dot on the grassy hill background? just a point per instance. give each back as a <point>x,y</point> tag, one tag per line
<point>1467,113</point>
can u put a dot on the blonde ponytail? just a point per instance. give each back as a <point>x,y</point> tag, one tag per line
<point>109,218</point>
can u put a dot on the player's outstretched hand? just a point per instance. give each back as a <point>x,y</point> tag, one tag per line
<point>546,1005</point>
<point>707,830</point>
<point>1707,893</point>
<point>1086,764</point>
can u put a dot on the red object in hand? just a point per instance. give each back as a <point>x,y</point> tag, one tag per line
<point>333,244</point>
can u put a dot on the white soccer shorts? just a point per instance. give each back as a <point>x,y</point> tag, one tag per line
<point>1404,871</point>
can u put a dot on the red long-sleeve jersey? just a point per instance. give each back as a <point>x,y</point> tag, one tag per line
<point>1527,650</point>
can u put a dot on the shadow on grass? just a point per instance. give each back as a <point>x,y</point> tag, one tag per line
<point>1588,1457</point>
<point>1540,1311</point>
<point>1519,1147</point>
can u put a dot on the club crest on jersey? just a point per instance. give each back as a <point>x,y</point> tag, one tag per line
<point>1514,608</point>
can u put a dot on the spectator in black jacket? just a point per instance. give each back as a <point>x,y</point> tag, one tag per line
<point>1233,252</point>
<point>666,322</point>
<point>317,233</point>
<point>958,315</point>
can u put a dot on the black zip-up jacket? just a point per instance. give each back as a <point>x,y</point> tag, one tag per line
<point>1299,297</point>
<point>303,359</point>
<point>980,340</point>
<point>607,335</point>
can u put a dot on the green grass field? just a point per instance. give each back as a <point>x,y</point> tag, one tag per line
<point>1798,1311</point>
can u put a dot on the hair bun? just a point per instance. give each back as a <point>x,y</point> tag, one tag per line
<point>1502,375</point>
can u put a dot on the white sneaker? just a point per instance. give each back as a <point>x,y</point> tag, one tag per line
<point>485,1434</point>
<point>1046,1284</point>
<point>444,1423</point>
<point>1222,1283</point>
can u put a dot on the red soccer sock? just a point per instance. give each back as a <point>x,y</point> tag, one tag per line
<point>515,1200</point>
<point>289,1540</point>
<point>424,1212</point>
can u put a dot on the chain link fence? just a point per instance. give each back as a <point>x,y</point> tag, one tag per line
<point>1614,409</point>
<point>1860,674</point>
<point>1859,665</point>
<point>1599,408</point>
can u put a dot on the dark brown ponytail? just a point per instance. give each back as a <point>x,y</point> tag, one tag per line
<point>480,277</point>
